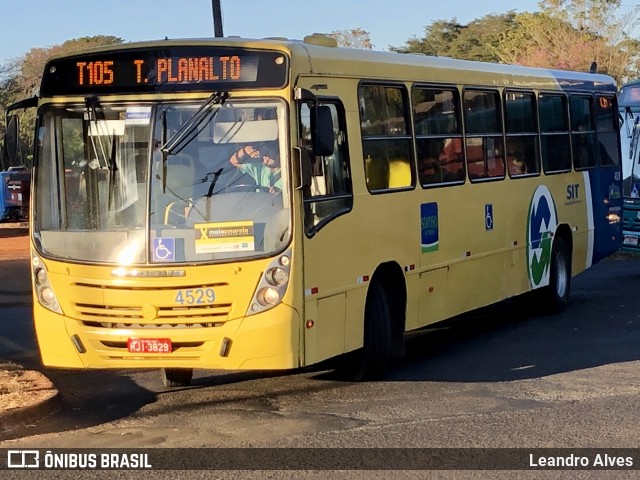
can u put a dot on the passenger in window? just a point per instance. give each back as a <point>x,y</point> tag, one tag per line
<point>515,156</point>
<point>452,160</point>
<point>429,164</point>
<point>261,163</point>
<point>517,165</point>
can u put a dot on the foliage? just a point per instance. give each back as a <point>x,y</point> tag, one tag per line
<point>479,40</point>
<point>563,34</point>
<point>571,34</point>
<point>20,79</point>
<point>353,38</point>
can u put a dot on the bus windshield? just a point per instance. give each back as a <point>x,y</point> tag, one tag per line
<point>133,184</point>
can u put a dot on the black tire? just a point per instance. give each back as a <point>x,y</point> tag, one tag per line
<point>176,377</point>
<point>556,294</point>
<point>372,360</point>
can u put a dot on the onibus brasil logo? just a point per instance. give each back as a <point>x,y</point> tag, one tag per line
<point>542,222</point>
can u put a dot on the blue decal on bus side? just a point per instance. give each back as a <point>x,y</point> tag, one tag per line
<point>429,227</point>
<point>488,216</point>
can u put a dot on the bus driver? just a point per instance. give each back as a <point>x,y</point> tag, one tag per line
<point>261,163</point>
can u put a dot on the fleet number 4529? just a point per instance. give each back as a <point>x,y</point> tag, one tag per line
<point>195,296</point>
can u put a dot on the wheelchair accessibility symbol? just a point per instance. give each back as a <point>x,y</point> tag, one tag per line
<point>488,216</point>
<point>164,249</point>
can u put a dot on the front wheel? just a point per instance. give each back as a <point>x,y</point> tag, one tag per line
<point>556,294</point>
<point>176,377</point>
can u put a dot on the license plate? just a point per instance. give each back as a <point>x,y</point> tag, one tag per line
<point>630,240</point>
<point>149,345</point>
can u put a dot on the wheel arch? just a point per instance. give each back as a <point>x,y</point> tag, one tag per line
<point>391,277</point>
<point>563,232</point>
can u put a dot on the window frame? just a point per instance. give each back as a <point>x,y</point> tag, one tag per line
<point>408,136</point>
<point>615,127</point>
<point>535,133</point>
<point>590,133</point>
<point>308,200</point>
<point>459,135</point>
<point>484,135</point>
<point>545,134</point>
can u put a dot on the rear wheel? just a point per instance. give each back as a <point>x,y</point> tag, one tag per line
<point>372,360</point>
<point>556,294</point>
<point>176,377</point>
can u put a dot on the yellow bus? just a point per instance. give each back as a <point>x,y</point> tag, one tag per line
<point>269,204</point>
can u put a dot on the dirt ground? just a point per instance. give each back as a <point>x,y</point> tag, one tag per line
<point>21,391</point>
<point>14,242</point>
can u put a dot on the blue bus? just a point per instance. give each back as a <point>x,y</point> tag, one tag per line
<point>15,185</point>
<point>629,109</point>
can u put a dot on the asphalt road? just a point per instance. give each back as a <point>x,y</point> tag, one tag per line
<point>505,376</point>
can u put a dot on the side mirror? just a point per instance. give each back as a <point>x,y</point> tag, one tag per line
<point>11,142</point>
<point>322,135</point>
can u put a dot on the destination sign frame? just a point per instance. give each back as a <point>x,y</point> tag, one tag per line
<point>165,69</point>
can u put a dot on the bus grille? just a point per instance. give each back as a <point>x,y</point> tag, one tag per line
<point>631,219</point>
<point>106,316</point>
<point>99,315</point>
<point>631,223</point>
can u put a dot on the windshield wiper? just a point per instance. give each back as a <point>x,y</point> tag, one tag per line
<point>189,129</point>
<point>212,185</point>
<point>113,170</point>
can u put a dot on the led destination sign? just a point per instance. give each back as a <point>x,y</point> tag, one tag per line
<point>170,70</point>
<point>173,69</point>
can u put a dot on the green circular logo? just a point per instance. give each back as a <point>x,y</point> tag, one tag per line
<point>541,225</point>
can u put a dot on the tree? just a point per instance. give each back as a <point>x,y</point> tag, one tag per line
<point>571,34</point>
<point>477,40</point>
<point>20,79</point>
<point>353,38</point>
<point>437,41</point>
<point>563,34</point>
<point>480,39</point>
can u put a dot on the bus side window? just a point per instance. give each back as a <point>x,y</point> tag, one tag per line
<point>386,137</point>
<point>438,130</point>
<point>554,129</point>
<point>485,143</point>
<point>607,127</point>
<point>330,193</point>
<point>582,131</point>
<point>521,130</point>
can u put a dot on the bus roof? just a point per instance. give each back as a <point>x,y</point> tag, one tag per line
<point>315,55</point>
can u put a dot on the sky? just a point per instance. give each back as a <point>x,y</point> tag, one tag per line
<point>25,24</point>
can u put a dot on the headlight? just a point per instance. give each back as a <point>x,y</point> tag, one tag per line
<point>47,296</point>
<point>285,261</point>
<point>272,286</point>
<point>43,290</point>
<point>268,296</point>
<point>40,276</point>
<point>277,276</point>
